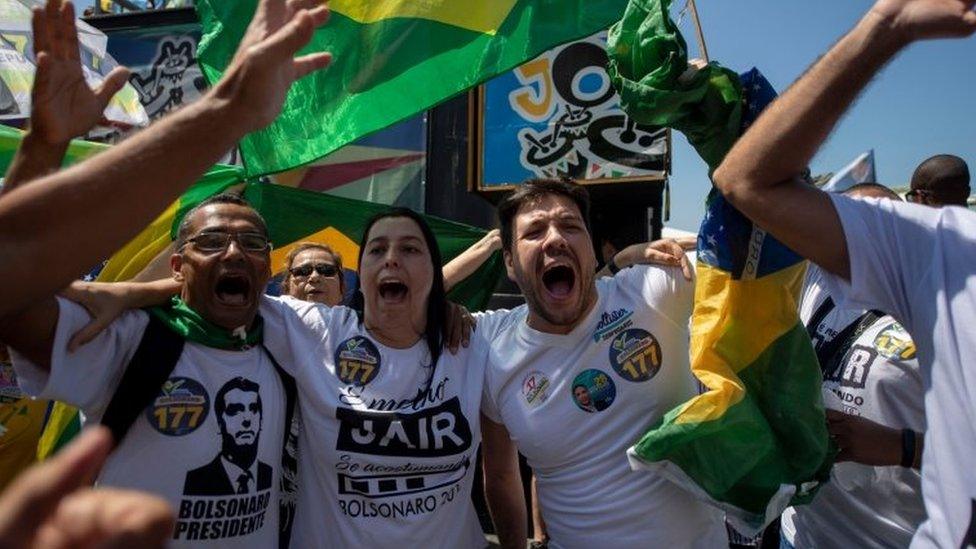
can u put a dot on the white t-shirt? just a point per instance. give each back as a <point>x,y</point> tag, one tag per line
<point>877,377</point>
<point>574,403</point>
<point>919,264</point>
<point>175,448</point>
<point>378,466</point>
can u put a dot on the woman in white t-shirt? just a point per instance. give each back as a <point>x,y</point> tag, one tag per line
<point>390,421</point>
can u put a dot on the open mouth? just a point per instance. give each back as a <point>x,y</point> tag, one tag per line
<point>559,281</point>
<point>233,290</point>
<point>393,291</point>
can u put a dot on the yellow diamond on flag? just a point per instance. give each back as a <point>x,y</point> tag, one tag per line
<point>340,243</point>
<point>483,17</point>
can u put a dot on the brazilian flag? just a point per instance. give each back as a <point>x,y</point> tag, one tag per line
<point>392,59</point>
<point>756,440</point>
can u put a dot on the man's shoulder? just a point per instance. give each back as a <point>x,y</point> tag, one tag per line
<point>493,324</point>
<point>210,468</point>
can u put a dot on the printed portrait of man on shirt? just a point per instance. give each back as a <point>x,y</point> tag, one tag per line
<point>233,471</point>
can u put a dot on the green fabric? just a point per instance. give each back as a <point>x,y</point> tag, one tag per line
<point>292,214</point>
<point>754,460</point>
<point>186,322</point>
<point>10,139</point>
<point>217,180</point>
<point>386,71</point>
<point>648,56</point>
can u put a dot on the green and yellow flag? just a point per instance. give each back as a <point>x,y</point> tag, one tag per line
<point>755,441</point>
<point>392,59</point>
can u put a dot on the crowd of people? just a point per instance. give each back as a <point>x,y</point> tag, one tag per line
<point>352,417</point>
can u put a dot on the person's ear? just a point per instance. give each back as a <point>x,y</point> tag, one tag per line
<point>509,265</point>
<point>176,267</point>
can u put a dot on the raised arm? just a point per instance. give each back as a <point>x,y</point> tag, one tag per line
<point>761,174</point>
<point>467,263</point>
<point>89,210</point>
<point>667,251</point>
<point>62,105</point>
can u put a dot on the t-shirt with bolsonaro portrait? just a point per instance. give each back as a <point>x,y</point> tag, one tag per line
<point>388,442</point>
<point>210,443</point>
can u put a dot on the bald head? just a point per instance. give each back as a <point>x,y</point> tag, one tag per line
<point>872,190</point>
<point>942,180</point>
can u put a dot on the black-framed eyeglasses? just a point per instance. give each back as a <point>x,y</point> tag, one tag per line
<point>325,269</point>
<point>211,242</point>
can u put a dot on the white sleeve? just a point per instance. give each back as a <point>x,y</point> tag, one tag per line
<point>86,378</point>
<point>292,325</point>
<point>663,289</point>
<point>891,246</point>
<point>488,325</point>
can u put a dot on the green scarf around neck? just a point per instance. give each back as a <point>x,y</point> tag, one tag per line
<point>183,320</point>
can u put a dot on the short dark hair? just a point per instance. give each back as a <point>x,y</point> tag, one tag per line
<point>945,177</point>
<point>183,233</point>
<point>872,187</point>
<point>532,191</point>
<point>240,383</point>
<point>436,302</point>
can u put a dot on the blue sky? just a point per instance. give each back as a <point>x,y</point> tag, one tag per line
<point>921,105</point>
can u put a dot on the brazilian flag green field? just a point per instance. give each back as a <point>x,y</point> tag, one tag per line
<point>392,59</point>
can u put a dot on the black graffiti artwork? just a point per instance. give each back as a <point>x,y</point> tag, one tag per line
<point>174,78</point>
<point>238,409</point>
<point>595,136</point>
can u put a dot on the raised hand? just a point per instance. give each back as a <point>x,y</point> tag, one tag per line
<point>927,19</point>
<point>63,106</point>
<point>265,66</point>
<point>51,505</point>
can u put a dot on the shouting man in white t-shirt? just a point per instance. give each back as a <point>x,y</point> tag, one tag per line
<point>911,261</point>
<point>578,374</point>
<point>211,438</point>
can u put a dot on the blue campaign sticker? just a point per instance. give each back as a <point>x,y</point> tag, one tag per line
<point>180,408</point>
<point>357,361</point>
<point>635,354</point>
<point>593,390</point>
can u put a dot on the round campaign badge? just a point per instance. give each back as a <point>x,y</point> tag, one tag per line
<point>894,342</point>
<point>636,355</point>
<point>180,408</point>
<point>593,390</point>
<point>535,388</point>
<point>357,361</point>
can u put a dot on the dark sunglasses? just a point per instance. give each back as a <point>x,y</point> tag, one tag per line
<point>217,241</point>
<point>323,269</point>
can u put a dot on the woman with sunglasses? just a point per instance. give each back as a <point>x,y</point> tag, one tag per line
<point>314,273</point>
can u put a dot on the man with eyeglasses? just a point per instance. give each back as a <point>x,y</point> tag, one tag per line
<point>222,263</point>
